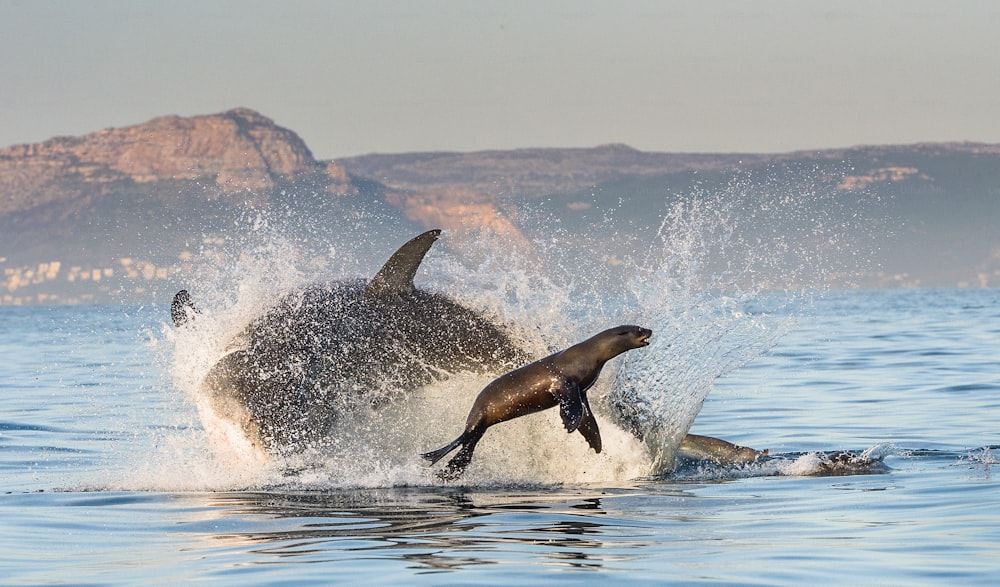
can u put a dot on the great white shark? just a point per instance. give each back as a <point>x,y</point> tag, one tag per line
<point>325,348</point>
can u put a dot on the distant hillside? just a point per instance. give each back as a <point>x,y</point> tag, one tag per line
<point>119,211</point>
<point>940,201</point>
<point>116,214</point>
<point>536,173</point>
<point>533,173</point>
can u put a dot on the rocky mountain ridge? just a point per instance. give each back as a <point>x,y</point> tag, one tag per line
<point>239,150</point>
<point>151,194</point>
<point>138,202</point>
<point>539,172</point>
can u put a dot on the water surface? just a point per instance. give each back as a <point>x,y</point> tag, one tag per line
<point>107,479</point>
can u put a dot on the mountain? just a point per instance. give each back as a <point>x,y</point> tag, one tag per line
<point>534,173</point>
<point>113,214</point>
<point>933,209</point>
<point>117,214</point>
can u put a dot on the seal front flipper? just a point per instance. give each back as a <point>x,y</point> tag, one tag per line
<point>398,272</point>
<point>588,426</point>
<point>570,404</point>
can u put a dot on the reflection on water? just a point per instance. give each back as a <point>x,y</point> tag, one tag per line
<point>428,526</point>
<point>431,527</point>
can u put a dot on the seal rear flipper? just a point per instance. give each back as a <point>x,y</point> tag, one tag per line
<point>398,272</point>
<point>457,465</point>
<point>436,455</point>
<point>588,428</point>
<point>571,407</point>
<point>182,308</point>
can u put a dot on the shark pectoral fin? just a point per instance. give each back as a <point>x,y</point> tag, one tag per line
<point>182,308</point>
<point>396,276</point>
<point>570,405</point>
<point>588,427</point>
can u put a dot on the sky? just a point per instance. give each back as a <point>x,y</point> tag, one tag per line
<point>446,75</point>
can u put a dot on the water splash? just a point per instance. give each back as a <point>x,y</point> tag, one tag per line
<point>706,291</point>
<point>870,461</point>
<point>702,283</point>
<point>983,460</point>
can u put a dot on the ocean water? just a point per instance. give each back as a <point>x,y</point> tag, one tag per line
<point>108,473</point>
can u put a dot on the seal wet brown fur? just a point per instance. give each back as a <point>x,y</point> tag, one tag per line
<point>561,379</point>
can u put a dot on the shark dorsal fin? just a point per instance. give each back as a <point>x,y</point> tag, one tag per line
<point>396,276</point>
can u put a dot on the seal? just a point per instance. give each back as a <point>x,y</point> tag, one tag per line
<point>561,379</point>
<point>332,347</point>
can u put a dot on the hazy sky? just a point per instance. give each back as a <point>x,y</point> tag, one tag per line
<point>409,75</point>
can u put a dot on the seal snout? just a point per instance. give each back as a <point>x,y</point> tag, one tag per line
<point>644,335</point>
